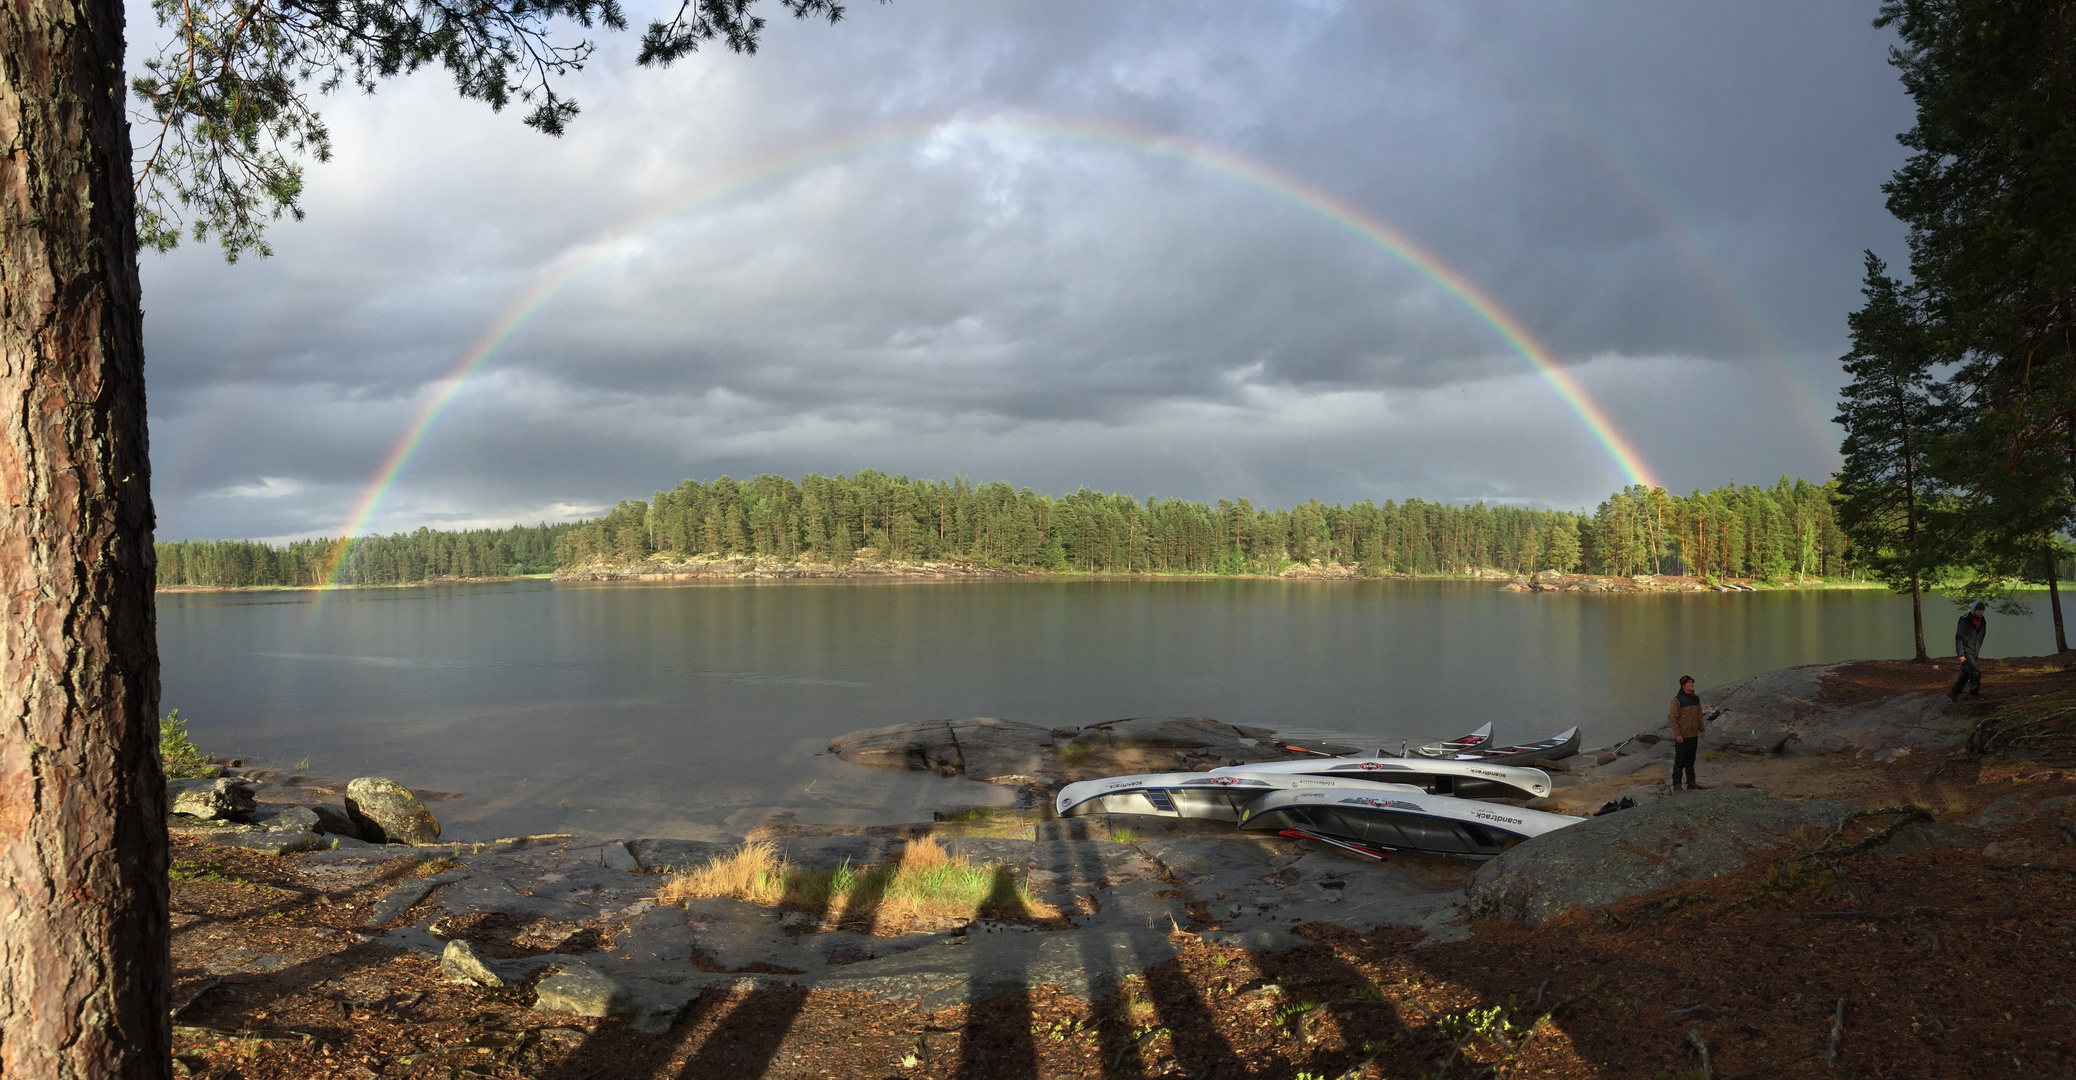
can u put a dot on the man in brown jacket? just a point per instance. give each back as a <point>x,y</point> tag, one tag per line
<point>1685,716</point>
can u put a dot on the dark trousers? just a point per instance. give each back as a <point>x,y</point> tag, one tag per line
<point>1683,761</point>
<point>1970,680</point>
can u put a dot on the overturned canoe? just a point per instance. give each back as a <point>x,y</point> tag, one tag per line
<point>1390,817</point>
<point>1473,779</point>
<point>1180,794</point>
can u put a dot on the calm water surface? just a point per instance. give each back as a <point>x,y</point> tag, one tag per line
<point>690,710</point>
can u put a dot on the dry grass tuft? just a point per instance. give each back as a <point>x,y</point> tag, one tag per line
<point>925,881</point>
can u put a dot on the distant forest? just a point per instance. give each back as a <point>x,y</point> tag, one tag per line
<point>397,559</point>
<point>1770,533</point>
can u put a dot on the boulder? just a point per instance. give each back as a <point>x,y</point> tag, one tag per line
<point>384,810</point>
<point>1690,837</point>
<point>651,1007</point>
<point>461,965</point>
<point>580,991</point>
<point>223,799</point>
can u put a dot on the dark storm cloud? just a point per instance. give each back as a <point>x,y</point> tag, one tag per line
<point>1673,196</point>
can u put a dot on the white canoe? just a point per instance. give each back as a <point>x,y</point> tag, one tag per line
<point>1217,796</point>
<point>1441,776</point>
<point>1389,817</point>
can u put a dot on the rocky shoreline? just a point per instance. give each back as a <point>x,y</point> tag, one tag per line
<point>567,926</point>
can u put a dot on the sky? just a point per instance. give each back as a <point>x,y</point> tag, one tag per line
<point>1524,251</point>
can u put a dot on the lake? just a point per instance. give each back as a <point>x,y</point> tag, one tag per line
<point>690,710</point>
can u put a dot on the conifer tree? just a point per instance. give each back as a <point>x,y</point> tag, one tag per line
<point>1891,417</point>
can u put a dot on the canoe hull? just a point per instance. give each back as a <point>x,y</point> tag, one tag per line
<point>1396,820</point>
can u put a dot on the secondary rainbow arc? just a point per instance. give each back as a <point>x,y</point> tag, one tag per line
<point>1620,450</point>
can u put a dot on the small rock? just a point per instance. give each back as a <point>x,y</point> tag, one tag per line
<point>384,809</point>
<point>461,964</point>
<point>1605,757</point>
<point>224,800</point>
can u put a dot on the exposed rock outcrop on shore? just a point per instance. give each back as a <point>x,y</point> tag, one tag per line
<point>1695,837</point>
<point>1007,751</point>
<point>770,568</point>
<point>286,813</point>
<point>1552,581</point>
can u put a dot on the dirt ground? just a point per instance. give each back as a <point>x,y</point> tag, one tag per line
<point>1938,963</point>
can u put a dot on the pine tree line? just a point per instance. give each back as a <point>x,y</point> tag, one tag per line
<point>1740,530</point>
<point>1779,533</point>
<point>396,559</point>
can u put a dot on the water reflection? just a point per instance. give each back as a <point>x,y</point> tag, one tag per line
<point>690,710</point>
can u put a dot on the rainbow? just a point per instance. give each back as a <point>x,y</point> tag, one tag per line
<point>1332,207</point>
<point>1556,110</point>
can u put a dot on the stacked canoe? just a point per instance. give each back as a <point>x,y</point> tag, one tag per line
<point>1432,799</point>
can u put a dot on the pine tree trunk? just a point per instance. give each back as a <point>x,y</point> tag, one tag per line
<point>1917,623</point>
<point>84,971</point>
<point>2054,601</point>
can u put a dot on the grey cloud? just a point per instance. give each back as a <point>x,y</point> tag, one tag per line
<point>1663,193</point>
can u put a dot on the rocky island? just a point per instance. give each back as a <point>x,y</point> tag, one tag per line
<point>1867,854</point>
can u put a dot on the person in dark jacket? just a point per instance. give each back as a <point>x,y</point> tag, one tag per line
<point>1967,641</point>
<point>1687,725</point>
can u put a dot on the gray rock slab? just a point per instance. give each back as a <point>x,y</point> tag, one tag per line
<point>1087,963</point>
<point>1781,712</point>
<point>650,1005</point>
<point>289,841</point>
<point>482,892</point>
<point>659,935</point>
<point>660,854</point>
<point>998,850</point>
<point>843,947</point>
<point>284,816</point>
<point>402,897</point>
<point>1692,837</point>
<point>735,934</point>
<point>991,749</point>
<point>1139,905</point>
<point>1196,859</point>
<point>926,746</point>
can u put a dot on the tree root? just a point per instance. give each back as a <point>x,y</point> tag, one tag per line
<point>1698,1050</point>
<point>1879,916</point>
<point>1837,1036</point>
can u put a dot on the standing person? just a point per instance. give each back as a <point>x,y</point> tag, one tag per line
<point>1967,641</point>
<point>1687,725</point>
